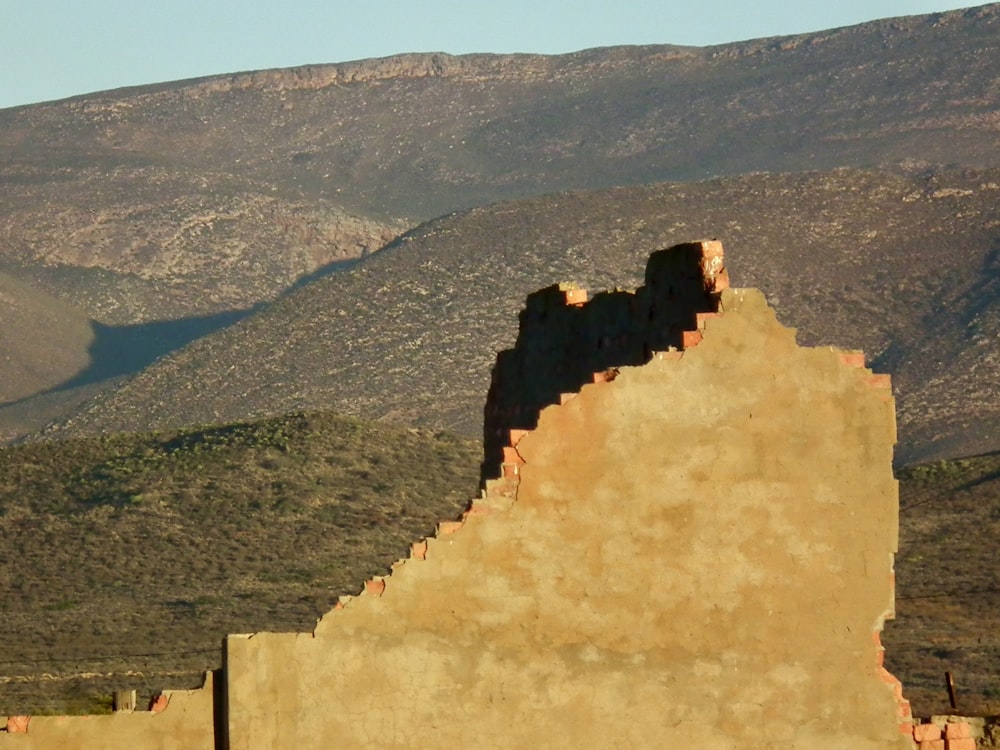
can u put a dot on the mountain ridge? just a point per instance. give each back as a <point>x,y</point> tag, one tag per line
<point>168,203</point>
<point>444,65</point>
<point>409,333</point>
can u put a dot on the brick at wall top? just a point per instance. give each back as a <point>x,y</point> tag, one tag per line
<point>564,338</point>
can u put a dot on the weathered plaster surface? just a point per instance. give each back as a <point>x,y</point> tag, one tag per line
<point>698,556</point>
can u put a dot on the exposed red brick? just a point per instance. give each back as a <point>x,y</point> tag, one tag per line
<point>720,282</point>
<point>711,249</point>
<point>511,456</point>
<point>923,732</point>
<point>477,509</point>
<point>18,724</point>
<point>605,376</point>
<point>510,471</point>
<point>375,586</point>
<point>159,703</point>
<point>575,296</point>
<point>516,435</point>
<point>690,338</point>
<point>906,727</point>
<point>418,550</point>
<point>932,745</point>
<point>713,270</point>
<point>701,317</point>
<point>961,743</point>
<point>959,730</point>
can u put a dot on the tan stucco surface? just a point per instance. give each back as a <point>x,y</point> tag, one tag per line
<point>698,555</point>
<point>185,724</point>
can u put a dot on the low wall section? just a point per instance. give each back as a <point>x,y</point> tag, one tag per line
<point>179,720</point>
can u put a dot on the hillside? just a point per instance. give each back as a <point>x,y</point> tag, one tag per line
<point>138,553</point>
<point>36,363</point>
<point>904,267</point>
<point>186,200</point>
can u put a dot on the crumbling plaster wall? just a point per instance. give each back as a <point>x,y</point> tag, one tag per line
<point>696,554</point>
<point>691,552</point>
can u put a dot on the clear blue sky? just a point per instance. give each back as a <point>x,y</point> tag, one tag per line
<point>51,49</point>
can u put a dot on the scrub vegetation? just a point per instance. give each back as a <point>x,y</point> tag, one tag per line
<point>948,586</point>
<point>126,559</point>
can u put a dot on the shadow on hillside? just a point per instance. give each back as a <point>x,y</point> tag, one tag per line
<point>119,351</point>
<point>339,266</point>
<point>984,294</point>
<point>330,268</point>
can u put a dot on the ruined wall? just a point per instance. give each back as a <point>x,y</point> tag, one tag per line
<point>564,339</point>
<point>695,553</point>
<point>690,546</point>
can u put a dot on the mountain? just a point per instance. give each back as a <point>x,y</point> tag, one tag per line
<point>420,135</point>
<point>905,267</point>
<point>162,213</point>
<point>178,202</point>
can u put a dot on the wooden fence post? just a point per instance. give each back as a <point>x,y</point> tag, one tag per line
<point>950,681</point>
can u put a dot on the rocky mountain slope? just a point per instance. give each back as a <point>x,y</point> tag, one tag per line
<point>32,363</point>
<point>422,135</point>
<point>161,213</point>
<point>905,267</point>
